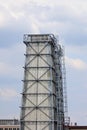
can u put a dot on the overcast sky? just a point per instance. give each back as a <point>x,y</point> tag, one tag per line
<point>67,19</point>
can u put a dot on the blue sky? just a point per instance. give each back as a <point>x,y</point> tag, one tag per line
<point>65,18</point>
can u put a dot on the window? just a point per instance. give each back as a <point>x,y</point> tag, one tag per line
<point>10,128</point>
<point>1,128</point>
<point>14,128</point>
<point>6,128</point>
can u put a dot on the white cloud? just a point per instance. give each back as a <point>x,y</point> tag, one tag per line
<point>76,63</point>
<point>5,69</point>
<point>7,94</point>
<point>2,21</point>
<point>12,61</point>
<point>10,53</point>
<point>42,8</point>
<point>66,17</point>
<point>42,16</point>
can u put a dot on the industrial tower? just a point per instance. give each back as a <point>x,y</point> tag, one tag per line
<point>42,97</point>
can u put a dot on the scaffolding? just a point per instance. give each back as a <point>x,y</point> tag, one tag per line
<point>42,97</point>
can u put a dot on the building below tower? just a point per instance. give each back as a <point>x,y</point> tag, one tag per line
<point>9,124</point>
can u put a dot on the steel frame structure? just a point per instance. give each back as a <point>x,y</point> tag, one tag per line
<point>42,97</point>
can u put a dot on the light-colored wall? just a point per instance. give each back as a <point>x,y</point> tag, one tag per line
<point>9,126</point>
<point>76,127</point>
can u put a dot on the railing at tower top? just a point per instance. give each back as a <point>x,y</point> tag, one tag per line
<point>37,38</point>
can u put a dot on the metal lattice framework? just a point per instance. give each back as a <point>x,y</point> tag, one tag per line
<point>42,97</point>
